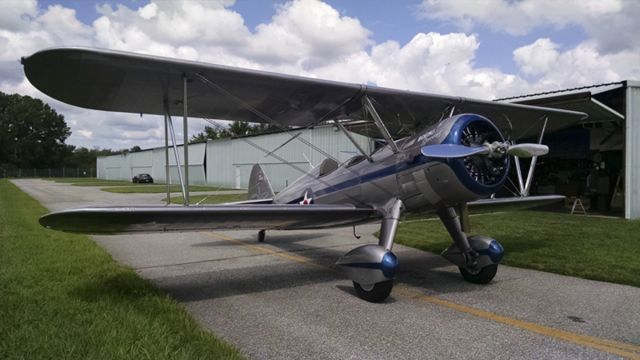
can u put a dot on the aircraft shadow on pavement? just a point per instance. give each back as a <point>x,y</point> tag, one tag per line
<point>418,269</point>
<point>240,281</point>
<point>284,238</point>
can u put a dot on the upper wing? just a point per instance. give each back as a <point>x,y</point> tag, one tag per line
<point>128,82</point>
<point>105,220</point>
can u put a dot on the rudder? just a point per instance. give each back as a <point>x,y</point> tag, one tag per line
<point>259,185</point>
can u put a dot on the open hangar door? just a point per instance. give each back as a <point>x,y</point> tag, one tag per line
<point>585,161</point>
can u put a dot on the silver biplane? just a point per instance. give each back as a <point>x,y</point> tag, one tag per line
<point>441,153</point>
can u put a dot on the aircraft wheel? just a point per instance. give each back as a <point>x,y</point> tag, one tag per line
<point>261,235</point>
<point>374,293</point>
<point>483,276</point>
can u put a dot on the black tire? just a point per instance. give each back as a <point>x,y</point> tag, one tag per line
<point>261,235</point>
<point>484,276</point>
<point>378,293</point>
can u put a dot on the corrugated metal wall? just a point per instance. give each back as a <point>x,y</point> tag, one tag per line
<point>125,166</point>
<point>228,162</point>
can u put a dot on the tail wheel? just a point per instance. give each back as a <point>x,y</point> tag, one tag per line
<point>374,293</point>
<point>483,276</point>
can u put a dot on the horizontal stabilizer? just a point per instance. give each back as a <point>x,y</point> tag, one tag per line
<point>111,220</point>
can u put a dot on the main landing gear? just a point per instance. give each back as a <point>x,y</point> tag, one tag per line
<point>477,257</point>
<point>372,267</point>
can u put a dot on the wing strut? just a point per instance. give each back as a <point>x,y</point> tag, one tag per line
<point>353,141</point>
<point>166,154</point>
<point>368,105</point>
<point>185,130</point>
<point>175,151</point>
<point>525,187</point>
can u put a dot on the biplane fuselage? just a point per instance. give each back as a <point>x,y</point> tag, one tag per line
<point>420,182</point>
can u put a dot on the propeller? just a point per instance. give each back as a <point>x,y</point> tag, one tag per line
<point>494,149</point>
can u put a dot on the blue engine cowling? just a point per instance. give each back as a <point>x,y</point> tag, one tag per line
<point>481,174</point>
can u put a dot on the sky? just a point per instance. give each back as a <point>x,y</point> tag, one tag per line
<point>483,49</point>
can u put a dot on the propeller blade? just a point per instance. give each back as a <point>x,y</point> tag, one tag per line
<point>452,151</point>
<point>528,150</point>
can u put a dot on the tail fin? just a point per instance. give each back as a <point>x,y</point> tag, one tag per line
<point>259,185</point>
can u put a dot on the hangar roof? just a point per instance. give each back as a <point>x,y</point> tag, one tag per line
<point>602,102</point>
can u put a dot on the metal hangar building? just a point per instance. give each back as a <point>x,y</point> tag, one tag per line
<point>284,156</point>
<point>597,160</point>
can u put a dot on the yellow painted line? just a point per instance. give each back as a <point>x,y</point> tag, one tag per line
<point>614,347</point>
<point>265,250</point>
<point>630,351</point>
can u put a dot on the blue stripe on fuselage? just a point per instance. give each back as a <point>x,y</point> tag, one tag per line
<point>374,175</point>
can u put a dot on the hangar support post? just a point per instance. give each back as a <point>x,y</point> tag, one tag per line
<point>632,151</point>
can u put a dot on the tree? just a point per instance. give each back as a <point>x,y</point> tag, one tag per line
<point>32,134</point>
<point>86,158</point>
<point>239,128</point>
<point>210,133</point>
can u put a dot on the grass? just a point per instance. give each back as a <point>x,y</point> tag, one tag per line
<point>75,179</point>
<point>147,189</point>
<point>603,249</point>
<point>86,181</point>
<point>211,199</point>
<point>63,297</point>
<point>127,187</point>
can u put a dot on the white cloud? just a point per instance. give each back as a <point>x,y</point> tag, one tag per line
<point>520,17</point>
<point>433,62</point>
<point>582,65</point>
<point>612,24</point>
<point>16,14</point>
<point>537,58</point>
<point>311,32</point>
<point>87,134</point>
<point>310,38</point>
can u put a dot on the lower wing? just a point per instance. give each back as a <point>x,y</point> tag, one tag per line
<point>512,203</point>
<point>111,220</point>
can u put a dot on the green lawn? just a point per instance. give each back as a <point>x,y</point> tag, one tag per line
<point>213,199</point>
<point>73,179</point>
<point>147,188</point>
<point>63,297</point>
<point>90,181</point>
<point>105,183</point>
<point>604,249</point>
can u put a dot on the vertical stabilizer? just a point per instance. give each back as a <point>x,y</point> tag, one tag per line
<point>259,185</point>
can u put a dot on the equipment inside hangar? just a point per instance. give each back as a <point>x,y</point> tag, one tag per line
<point>598,160</point>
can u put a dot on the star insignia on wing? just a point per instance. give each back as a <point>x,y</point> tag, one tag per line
<point>306,200</point>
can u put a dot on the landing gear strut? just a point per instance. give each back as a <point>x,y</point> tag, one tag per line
<point>372,267</point>
<point>451,222</point>
<point>477,257</point>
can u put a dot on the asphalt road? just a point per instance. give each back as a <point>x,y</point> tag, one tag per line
<point>286,299</point>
